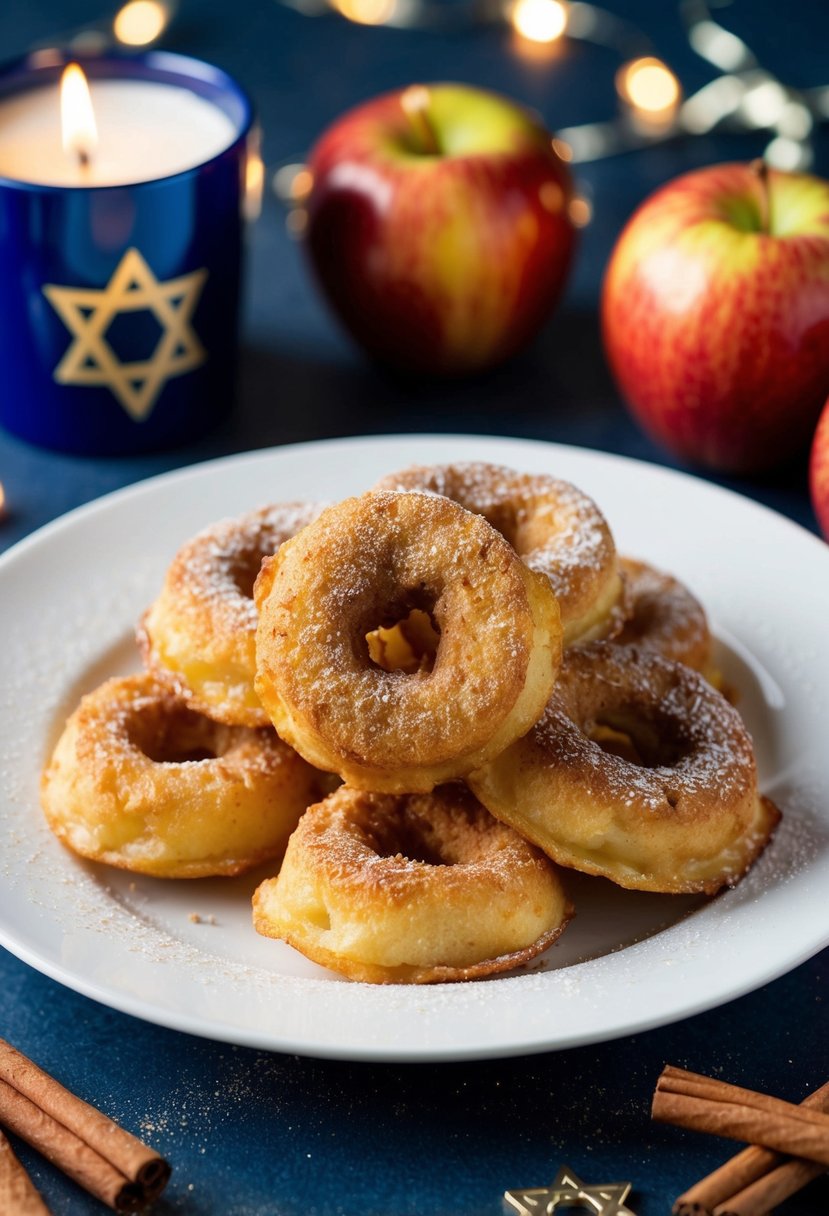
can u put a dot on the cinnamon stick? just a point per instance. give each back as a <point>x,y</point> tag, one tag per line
<point>754,1181</point>
<point>67,1151</point>
<point>765,1194</point>
<point>135,1161</point>
<point>18,1196</point>
<point>703,1104</point>
<point>784,1134</point>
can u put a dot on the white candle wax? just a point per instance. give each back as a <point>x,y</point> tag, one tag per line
<point>146,130</point>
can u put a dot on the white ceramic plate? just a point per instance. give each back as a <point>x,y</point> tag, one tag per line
<point>69,598</point>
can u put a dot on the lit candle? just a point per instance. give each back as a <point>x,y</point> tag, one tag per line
<point>122,204</point>
<point>145,129</point>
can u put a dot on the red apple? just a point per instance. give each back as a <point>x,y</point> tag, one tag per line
<point>715,313</point>
<point>819,472</point>
<point>439,227</point>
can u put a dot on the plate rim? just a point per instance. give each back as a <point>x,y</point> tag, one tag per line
<point>226,1032</point>
<point>201,467</point>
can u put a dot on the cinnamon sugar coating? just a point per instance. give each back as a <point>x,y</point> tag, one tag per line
<point>664,616</point>
<point>405,639</point>
<point>200,632</point>
<point>553,526</point>
<point>141,781</point>
<point>411,889</point>
<point>677,811</point>
<point>367,562</point>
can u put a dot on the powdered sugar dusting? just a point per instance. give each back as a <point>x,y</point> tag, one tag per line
<point>214,572</point>
<point>557,529</point>
<point>715,754</point>
<point>664,615</point>
<point>138,950</point>
<point>361,561</point>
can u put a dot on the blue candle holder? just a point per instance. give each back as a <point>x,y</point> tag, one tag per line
<point>119,304</point>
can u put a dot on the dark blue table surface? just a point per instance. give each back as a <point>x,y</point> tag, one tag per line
<point>249,1132</point>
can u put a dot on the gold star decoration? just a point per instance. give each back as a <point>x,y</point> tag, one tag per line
<point>87,313</point>
<point>568,1191</point>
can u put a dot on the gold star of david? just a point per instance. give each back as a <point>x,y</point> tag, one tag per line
<point>87,314</point>
<point>568,1191</point>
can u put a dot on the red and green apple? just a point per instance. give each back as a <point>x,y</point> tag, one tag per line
<point>439,226</point>
<point>819,471</point>
<point>715,314</point>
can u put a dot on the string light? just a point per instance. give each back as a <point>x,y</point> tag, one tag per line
<point>254,185</point>
<point>141,22</point>
<point>551,197</point>
<point>296,222</point>
<point>292,183</point>
<point>367,12</point>
<point>541,21</point>
<point>648,84</point>
<point>650,93</point>
<point>746,96</point>
<point>787,154</point>
<point>580,211</point>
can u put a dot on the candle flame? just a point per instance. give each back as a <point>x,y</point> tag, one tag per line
<point>2,501</point>
<point>80,133</point>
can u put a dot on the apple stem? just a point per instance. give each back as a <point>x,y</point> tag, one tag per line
<point>761,171</point>
<point>415,102</point>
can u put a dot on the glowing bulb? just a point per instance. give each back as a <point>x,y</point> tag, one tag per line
<point>140,22</point>
<point>580,212</point>
<point>254,185</point>
<point>539,20</point>
<point>551,197</point>
<point>2,501</point>
<point>366,12</point>
<point>648,85</point>
<point>78,127</point>
<point>292,184</point>
<point>301,185</point>
<point>785,153</point>
<point>296,222</point>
